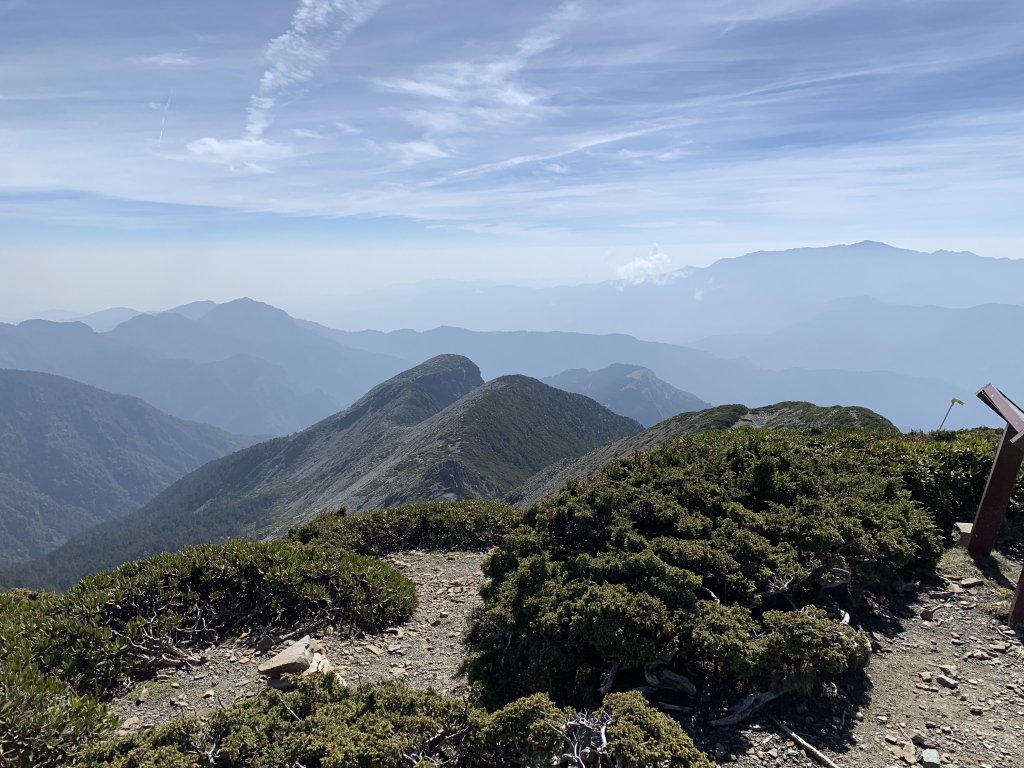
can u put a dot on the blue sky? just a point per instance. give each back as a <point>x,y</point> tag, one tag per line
<point>335,145</point>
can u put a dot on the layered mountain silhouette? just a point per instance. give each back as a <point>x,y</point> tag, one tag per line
<point>785,415</point>
<point>763,291</point>
<point>243,366</point>
<point>629,390</point>
<point>73,456</point>
<point>433,432</point>
<point>910,401</point>
<point>968,346</point>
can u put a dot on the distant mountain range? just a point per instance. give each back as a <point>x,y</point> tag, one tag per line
<point>910,401</point>
<point>897,331</point>
<point>760,292</point>
<point>436,431</point>
<point>791,415</point>
<point>243,366</point>
<point>629,390</point>
<point>967,346</point>
<point>72,456</point>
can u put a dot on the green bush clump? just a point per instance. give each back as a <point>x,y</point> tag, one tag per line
<point>120,625</point>
<point>437,525</point>
<point>43,722</point>
<point>59,654</point>
<point>323,724</point>
<point>946,472</point>
<point>708,554</point>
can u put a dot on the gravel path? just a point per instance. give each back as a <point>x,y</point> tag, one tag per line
<point>425,652</point>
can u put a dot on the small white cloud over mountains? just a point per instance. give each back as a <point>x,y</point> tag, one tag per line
<point>653,267</point>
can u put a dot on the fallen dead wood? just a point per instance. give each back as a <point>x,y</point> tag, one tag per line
<point>806,746</point>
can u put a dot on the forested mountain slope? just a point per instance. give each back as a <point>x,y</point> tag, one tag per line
<point>72,456</point>
<point>629,390</point>
<point>435,431</point>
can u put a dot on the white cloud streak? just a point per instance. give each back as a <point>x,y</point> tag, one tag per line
<point>168,59</point>
<point>317,29</point>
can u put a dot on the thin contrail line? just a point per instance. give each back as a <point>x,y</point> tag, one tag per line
<point>163,117</point>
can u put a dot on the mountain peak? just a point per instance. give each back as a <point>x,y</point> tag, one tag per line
<point>423,390</point>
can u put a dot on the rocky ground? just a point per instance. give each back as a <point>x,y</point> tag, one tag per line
<point>426,652</point>
<point>945,686</point>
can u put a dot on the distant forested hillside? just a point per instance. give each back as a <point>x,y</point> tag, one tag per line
<point>73,456</point>
<point>629,390</point>
<point>433,432</point>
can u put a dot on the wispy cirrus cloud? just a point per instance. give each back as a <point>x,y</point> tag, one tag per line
<point>317,29</point>
<point>168,59</point>
<point>243,154</point>
<point>458,97</point>
<point>654,120</point>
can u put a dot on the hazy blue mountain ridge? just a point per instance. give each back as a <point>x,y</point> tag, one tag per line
<point>968,346</point>
<point>72,456</point>
<point>435,431</point>
<point>629,390</point>
<point>764,290</point>
<point>243,366</point>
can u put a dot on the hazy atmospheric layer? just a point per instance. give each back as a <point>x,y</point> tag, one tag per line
<point>174,151</point>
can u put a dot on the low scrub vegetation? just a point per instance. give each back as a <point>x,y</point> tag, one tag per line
<point>726,558</point>
<point>723,563</point>
<point>438,525</point>
<point>323,724</point>
<point>43,721</point>
<point>56,652</point>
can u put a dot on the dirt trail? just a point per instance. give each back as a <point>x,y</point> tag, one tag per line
<point>425,652</point>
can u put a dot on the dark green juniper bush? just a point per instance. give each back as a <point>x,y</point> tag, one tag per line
<point>323,724</point>
<point>714,556</point>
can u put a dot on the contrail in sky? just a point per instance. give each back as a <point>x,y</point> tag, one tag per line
<point>163,117</point>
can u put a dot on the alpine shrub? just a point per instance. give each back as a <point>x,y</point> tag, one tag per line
<point>708,554</point>
<point>438,525</point>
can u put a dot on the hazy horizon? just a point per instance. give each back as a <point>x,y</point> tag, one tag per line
<point>328,147</point>
<point>29,281</point>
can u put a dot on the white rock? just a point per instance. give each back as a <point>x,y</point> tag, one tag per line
<point>294,659</point>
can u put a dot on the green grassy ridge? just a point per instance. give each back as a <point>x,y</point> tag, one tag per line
<point>788,414</point>
<point>495,438</point>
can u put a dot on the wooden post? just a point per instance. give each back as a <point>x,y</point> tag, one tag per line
<point>995,500</point>
<point>1017,606</point>
<point>999,488</point>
